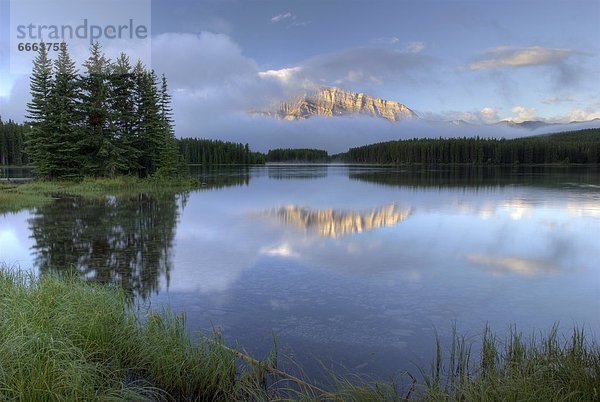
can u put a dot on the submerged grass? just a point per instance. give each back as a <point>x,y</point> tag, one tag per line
<point>66,339</point>
<point>30,194</point>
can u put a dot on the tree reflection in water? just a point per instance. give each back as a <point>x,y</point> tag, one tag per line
<point>114,240</point>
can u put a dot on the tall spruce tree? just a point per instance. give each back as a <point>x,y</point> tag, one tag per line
<point>149,127</point>
<point>96,137</point>
<point>169,158</point>
<point>38,111</point>
<point>63,142</point>
<point>123,116</point>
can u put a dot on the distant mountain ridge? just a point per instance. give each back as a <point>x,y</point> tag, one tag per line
<point>332,101</point>
<point>527,124</point>
<point>535,124</point>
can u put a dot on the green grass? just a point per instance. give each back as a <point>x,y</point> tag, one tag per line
<point>14,201</point>
<point>17,196</point>
<point>67,339</point>
<point>538,367</point>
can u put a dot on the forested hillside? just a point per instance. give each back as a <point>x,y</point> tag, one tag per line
<point>12,143</point>
<point>582,146</point>
<point>214,152</point>
<point>297,155</point>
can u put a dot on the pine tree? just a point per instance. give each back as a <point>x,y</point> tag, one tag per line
<point>63,142</point>
<point>149,127</point>
<point>96,137</point>
<point>123,117</point>
<point>111,120</point>
<point>38,112</point>
<point>169,159</point>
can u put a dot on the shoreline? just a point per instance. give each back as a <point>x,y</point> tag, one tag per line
<point>64,337</point>
<point>22,194</point>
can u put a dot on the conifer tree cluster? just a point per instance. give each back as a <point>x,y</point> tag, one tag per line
<point>110,119</point>
<point>12,143</point>
<point>215,152</point>
<point>297,155</point>
<point>582,146</point>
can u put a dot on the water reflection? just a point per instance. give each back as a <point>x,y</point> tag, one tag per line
<point>516,265</point>
<point>112,240</point>
<point>481,176</point>
<point>335,223</point>
<point>284,172</point>
<point>215,177</point>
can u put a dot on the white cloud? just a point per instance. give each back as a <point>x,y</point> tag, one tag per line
<point>284,75</point>
<point>484,116</point>
<point>583,115</point>
<point>510,57</point>
<point>523,114</point>
<point>281,17</point>
<point>190,60</point>
<point>489,114</point>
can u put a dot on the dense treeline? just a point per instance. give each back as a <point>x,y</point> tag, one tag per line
<point>581,146</point>
<point>297,155</point>
<point>113,119</point>
<point>12,143</point>
<point>214,152</point>
<point>586,135</point>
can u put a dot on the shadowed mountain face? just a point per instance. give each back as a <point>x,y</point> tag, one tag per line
<point>338,102</point>
<point>332,223</point>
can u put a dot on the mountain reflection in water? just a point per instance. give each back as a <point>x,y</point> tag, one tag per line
<point>335,223</point>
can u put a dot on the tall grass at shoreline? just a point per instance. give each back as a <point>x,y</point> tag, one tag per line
<point>23,195</point>
<point>538,367</point>
<point>67,339</point>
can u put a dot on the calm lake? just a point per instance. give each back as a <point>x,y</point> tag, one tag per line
<point>353,268</point>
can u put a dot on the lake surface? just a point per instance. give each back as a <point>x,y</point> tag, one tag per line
<point>352,268</point>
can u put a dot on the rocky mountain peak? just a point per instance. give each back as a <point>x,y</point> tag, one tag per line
<point>332,101</point>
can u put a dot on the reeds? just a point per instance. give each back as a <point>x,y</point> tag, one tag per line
<point>539,367</point>
<point>66,339</point>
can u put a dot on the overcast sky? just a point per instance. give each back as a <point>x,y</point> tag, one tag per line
<point>479,61</point>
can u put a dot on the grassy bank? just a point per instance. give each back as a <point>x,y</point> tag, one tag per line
<point>22,195</point>
<point>65,339</point>
<point>539,367</point>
